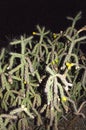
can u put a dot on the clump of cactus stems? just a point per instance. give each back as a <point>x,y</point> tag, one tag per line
<point>42,79</point>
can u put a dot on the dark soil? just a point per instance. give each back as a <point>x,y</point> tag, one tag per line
<point>73,122</point>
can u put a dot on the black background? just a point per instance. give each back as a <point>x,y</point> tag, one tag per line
<point>19,17</point>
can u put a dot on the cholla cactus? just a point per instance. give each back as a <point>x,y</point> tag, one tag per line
<point>42,79</point>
